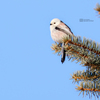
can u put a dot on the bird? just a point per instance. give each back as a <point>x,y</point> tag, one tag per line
<point>59,30</point>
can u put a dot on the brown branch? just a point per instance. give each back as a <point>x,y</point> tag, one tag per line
<point>92,65</point>
<point>69,41</point>
<point>69,48</point>
<point>85,78</point>
<point>86,89</point>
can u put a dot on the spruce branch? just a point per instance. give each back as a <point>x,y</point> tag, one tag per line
<point>92,88</point>
<point>97,8</point>
<point>83,76</point>
<point>87,52</point>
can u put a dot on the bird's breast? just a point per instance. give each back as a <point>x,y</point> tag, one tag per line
<point>57,36</point>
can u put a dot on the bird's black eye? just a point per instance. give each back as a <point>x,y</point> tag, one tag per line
<point>54,22</point>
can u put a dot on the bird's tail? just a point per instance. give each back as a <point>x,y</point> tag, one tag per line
<point>63,54</point>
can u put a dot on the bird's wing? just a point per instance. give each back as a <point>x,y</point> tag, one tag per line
<point>65,28</point>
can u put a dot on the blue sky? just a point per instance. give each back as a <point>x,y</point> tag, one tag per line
<point>28,68</point>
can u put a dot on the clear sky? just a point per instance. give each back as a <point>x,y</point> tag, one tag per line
<point>28,68</point>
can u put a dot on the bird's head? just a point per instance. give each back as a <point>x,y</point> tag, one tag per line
<point>55,22</point>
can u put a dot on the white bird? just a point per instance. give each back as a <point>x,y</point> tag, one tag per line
<point>59,30</point>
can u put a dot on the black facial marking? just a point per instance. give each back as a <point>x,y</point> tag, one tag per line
<point>57,28</point>
<point>50,24</point>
